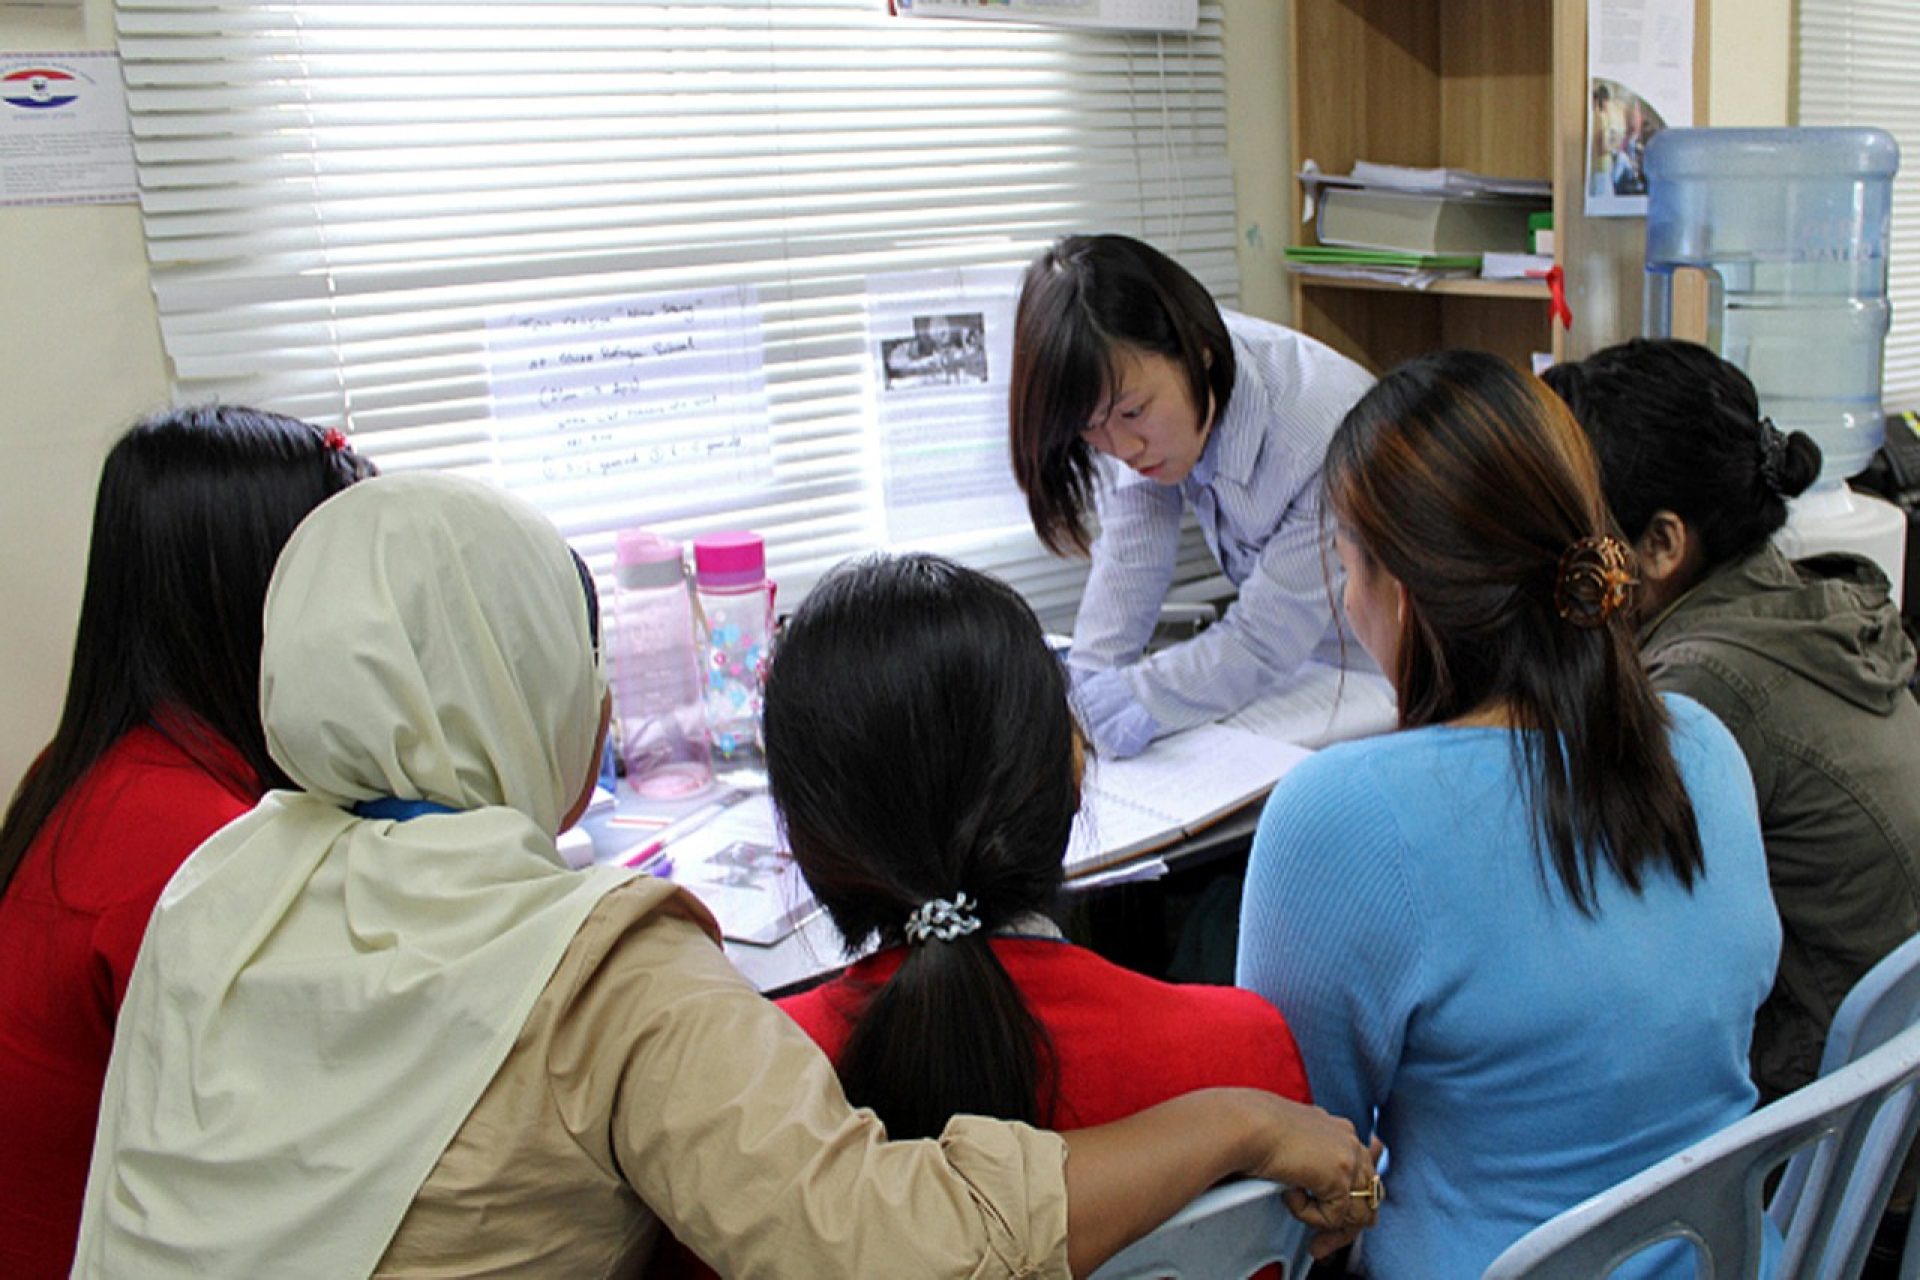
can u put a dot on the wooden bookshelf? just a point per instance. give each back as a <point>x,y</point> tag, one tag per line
<point>1496,86</point>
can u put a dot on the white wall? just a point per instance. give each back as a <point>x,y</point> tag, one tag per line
<point>81,353</point>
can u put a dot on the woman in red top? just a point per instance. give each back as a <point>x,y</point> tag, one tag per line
<point>924,758</point>
<point>159,745</point>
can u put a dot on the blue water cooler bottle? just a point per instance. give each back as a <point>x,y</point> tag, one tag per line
<point>1789,229</point>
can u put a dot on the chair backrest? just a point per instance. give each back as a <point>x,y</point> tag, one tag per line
<point>1884,1003</point>
<point>1227,1233</point>
<point>1711,1192</point>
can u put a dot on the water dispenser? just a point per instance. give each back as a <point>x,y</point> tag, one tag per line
<point>1788,229</point>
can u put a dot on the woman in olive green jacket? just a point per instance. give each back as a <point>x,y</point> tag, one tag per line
<point>1803,660</point>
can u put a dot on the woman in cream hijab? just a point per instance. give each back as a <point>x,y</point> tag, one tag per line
<point>378,1028</point>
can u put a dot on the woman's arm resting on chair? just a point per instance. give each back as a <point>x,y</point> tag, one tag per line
<point>1125,1178</point>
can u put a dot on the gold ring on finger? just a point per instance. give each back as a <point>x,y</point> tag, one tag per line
<point>1374,1193</point>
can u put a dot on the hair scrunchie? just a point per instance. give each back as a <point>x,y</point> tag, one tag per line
<point>939,919</point>
<point>1593,579</point>
<point>1773,456</point>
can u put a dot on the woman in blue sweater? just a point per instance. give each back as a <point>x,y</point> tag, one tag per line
<point>1523,938</point>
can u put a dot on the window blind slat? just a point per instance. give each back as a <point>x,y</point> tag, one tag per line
<point>1856,60</point>
<point>343,199</point>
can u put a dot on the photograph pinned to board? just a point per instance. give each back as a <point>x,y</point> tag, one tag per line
<point>1639,82</point>
<point>941,348</point>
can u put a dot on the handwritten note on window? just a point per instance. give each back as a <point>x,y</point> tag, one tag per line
<point>661,393</point>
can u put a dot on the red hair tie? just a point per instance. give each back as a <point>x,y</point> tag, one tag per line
<point>334,439</point>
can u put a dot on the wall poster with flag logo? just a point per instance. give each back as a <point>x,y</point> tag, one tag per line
<point>64,137</point>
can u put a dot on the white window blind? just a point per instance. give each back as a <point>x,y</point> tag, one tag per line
<point>1856,64</point>
<point>340,197</point>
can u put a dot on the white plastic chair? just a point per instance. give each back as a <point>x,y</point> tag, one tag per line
<point>1885,1002</point>
<point>1710,1193</point>
<point>1227,1233</point>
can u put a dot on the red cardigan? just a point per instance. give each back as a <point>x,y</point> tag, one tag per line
<point>70,926</point>
<point>1123,1042</point>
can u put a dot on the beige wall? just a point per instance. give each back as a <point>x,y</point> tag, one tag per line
<point>81,355</point>
<point>1258,127</point>
<point>1749,54</point>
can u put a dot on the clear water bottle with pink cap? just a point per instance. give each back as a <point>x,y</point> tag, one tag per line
<point>656,670</point>
<point>736,605</point>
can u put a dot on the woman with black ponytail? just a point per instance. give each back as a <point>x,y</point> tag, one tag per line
<point>924,758</point>
<point>1803,660</point>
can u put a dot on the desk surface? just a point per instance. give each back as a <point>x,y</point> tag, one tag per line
<point>813,950</point>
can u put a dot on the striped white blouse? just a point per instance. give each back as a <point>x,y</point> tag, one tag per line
<point>1256,496</point>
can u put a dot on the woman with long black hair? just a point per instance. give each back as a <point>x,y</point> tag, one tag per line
<point>926,765</point>
<point>158,746</point>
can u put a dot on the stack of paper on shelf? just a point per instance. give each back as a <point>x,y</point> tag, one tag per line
<point>1412,270</point>
<point>1515,266</point>
<point>1425,214</point>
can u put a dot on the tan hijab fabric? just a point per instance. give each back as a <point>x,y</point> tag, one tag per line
<point>320,998</point>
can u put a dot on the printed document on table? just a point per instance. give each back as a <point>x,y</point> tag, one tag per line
<point>739,867</point>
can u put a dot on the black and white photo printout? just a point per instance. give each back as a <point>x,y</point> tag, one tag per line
<point>941,344</point>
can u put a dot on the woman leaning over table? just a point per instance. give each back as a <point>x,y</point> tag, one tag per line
<point>1119,353</point>
<point>1521,939</point>
<point>379,1028</point>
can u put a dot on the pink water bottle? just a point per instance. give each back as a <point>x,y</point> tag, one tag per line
<point>656,670</point>
<point>736,604</point>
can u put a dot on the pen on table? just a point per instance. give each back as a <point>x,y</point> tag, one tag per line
<point>679,828</point>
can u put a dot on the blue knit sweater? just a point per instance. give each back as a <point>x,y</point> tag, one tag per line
<point>1521,1056</point>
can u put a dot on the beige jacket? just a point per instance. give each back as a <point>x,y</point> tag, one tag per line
<point>652,1082</point>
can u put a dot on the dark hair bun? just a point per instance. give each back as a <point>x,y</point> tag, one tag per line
<point>1800,465</point>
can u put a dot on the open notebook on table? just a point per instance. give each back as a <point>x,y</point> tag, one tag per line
<point>1173,789</point>
<point>1320,704</point>
<point>1186,781</point>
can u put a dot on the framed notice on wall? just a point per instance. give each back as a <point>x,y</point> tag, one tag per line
<point>1117,15</point>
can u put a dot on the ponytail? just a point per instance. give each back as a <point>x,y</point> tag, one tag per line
<point>949,1034</point>
<point>920,752</point>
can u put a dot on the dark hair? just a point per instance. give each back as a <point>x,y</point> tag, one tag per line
<point>591,590</point>
<point>1080,302</point>
<point>192,510</point>
<point>920,745</point>
<point>1676,428</point>
<point>1468,483</point>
